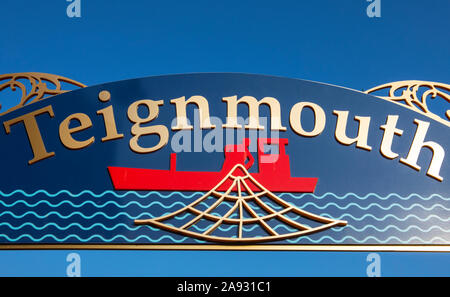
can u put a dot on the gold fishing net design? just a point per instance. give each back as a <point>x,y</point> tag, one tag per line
<point>241,193</point>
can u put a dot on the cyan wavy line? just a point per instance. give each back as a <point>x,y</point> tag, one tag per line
<point>130,228</point>
<point>447,219</point>
<point>95,204</point>
<point>71,215</point>
<point>369,195</point>
<point>397,228</point>
<point>222,228</point>
<point>76,195</point>
<point>109,192</point>
<point>336,241</point>
<point>206,205</point>
<point>347,215</point>
<point>87,217</point>
<point>375,205</point>
<point>12,239</point>
<point>365,240</point>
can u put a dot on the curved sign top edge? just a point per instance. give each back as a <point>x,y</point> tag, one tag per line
<point>409,99</point>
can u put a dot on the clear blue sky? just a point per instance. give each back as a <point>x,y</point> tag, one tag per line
<point>331,41</point>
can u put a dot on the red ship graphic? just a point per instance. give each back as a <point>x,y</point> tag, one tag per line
<point>273,172</point>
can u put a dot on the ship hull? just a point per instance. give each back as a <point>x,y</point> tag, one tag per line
<point>171,180</point>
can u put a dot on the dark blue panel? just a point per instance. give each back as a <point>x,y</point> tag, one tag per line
<point>69,198</point>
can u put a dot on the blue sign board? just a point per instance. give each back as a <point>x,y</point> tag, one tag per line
<point>224,162</point>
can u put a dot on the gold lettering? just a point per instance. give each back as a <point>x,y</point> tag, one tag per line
<point>253,110</point>
<point>65,132</point>
<point>363,130</point>
<point>104,96</point>
<point>416,147</point>
<point>202,104</point>
<point>295,119</point>
<point>390,131</point>
<point>138,131</point>
<point>110,124</point>
<point>108,118</point>
<point>33,132</point>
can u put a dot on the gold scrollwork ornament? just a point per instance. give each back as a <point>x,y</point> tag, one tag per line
<point>412,98</point>
<point>40,86</point>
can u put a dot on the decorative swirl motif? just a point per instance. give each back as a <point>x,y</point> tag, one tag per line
<point>39,86</point>
<point>409,96</point>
